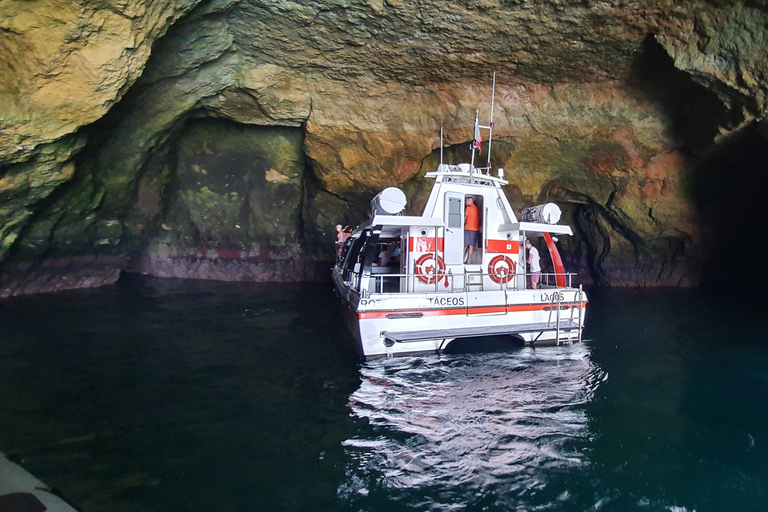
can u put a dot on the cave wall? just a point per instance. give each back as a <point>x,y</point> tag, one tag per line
<point>106,110</point>
<point>233,207</point>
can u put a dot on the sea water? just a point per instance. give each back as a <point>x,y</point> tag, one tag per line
<point>167,395</point>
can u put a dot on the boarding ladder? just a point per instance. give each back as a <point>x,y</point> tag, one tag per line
<point>555,305</point>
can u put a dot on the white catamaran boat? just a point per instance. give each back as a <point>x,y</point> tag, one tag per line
<point>407,288</point>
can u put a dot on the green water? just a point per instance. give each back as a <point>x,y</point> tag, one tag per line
<point>165,395</point>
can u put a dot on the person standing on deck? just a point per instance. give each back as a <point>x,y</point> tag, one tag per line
<point>533,264</point>
<point>471,226</point>
<point>341,236</point>
<point>339,239</point>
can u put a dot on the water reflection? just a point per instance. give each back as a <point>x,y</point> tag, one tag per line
<point>471,429</point>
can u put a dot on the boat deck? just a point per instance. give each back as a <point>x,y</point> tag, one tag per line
<point>470,332</point>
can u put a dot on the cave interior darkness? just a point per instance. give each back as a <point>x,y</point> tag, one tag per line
<point>729,188</point>
<point>729,177</point>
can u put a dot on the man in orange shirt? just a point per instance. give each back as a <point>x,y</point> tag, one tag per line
<point>471,226</point>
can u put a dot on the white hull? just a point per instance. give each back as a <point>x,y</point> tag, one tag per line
<point>509,312</point>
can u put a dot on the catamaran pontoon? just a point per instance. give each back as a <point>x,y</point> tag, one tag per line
<point>407,288</point>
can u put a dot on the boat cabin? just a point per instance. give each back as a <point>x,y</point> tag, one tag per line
<point>399,254</point>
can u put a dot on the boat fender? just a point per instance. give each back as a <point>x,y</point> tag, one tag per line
<point>500,269</point>
<point>426,271</point>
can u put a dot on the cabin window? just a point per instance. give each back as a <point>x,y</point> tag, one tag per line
<point>454,212</point>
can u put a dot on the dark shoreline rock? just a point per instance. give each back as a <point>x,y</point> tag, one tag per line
<point>52,276</point>
<point>231,266</point>
<point>55,275</point>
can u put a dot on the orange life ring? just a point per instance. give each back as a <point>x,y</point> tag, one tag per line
<point>497,274</point>
<point>423,272</point>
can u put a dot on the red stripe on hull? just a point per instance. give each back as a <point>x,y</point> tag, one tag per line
<point>470,311</point>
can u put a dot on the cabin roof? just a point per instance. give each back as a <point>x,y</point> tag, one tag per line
<point>400,221</point>
<point>534,229</point>
<point>406,220</point>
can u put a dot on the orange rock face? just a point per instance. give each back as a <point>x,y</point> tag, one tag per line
<point>607,109</point>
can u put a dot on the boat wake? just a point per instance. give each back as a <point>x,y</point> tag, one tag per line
<point>471,429</point>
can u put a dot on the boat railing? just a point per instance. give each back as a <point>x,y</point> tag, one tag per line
<point>549,279</point>
<point>556,308</point>
<point>448,282</point>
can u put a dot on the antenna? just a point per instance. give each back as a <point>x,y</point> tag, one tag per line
<point>474,141</point>
<point>490,130</point>
<point>441,149</point>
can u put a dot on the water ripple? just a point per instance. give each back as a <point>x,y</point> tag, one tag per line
<point>471,429</point>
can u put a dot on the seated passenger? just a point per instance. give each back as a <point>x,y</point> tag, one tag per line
<point>384,257</point>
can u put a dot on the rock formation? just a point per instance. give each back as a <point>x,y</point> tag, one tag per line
<point>225,139</point>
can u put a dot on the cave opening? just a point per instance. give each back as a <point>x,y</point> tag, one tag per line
<point>694,118</point>
<point>727,173</point>
<point>729,186</point>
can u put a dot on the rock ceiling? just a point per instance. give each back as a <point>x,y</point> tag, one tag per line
<point>608,107</point>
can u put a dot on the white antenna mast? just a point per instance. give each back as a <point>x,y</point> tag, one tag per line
<point>490,129</point>
<point>441,149</point>
<point>474,141</point>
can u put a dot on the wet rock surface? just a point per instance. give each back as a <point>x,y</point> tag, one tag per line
<point>225,139</point>
<point>233,206</point>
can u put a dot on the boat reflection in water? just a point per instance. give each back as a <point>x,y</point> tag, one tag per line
<point>495,429</point>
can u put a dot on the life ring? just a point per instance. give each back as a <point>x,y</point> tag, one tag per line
<point>428,274</point>
<point>497,270</point>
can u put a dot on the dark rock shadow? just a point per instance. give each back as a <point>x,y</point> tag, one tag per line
<point>694,113</point>
<point>484,344</point>
<point>693,117</point>
<point>729,174</point>
<point>729,186</point>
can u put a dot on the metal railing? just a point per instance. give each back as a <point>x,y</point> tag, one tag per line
<point>549,279</point>
<point>449,282</point>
